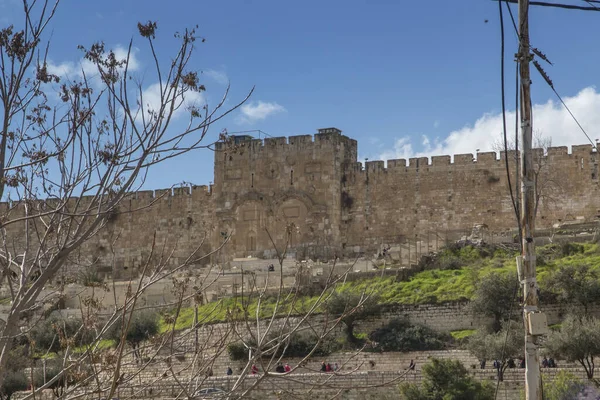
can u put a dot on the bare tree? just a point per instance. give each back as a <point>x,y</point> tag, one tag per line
<point>547,186</point>
<point>71,150</point>
<point>69,157</point>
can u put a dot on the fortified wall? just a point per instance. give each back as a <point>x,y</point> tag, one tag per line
<point>312,190</point>
<point>340,205</point>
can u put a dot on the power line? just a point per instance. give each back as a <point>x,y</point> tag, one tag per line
<point>551,84</point>
<point>556,5</point>
<point>503,99</point>
<point>512,196</point>
<point>590,2</point>
<point>512,18</point>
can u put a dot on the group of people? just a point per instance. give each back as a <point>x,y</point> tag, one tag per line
<point>548,363</point>
<point>327,367</point>
<point>510,363</point>
<point>280,368</point>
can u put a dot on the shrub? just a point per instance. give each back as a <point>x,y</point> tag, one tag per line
<point>448,262</point>
<point>13,381</point>
<point>297,345</point>
<point>56,332</point>
<point>461,335</point>
<point>565,386</point>
<point>495,296</point>
<point>447,380</point>
<point>54,368</point>
<point>90,278</point>
<point>143,326</point>
<point>570,249</point>
<point>351,307</point>
<point>237,351</point>
<point>400,335</point>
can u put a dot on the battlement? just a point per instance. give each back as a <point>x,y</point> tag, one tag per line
<point>476,161</point>
<point>324,138</point>
<point>192,190</point>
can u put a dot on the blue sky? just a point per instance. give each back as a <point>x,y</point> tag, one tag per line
<point>404,78</point>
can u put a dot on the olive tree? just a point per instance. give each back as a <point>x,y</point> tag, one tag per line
<point>139,328</point>
<point>502,346</point>
<point>575,285</point>
<point>578,340</point>
<point>351,307</point>
<point>495,296</point>
<point>447,380</point>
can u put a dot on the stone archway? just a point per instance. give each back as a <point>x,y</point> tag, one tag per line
<point>249,223</point>
<point>291,222</point>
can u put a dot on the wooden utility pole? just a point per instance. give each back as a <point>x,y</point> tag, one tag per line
<point>533,386</point>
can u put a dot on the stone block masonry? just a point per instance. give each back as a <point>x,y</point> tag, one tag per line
<point>336,205</point>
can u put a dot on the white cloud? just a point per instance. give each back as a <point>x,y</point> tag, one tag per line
<point>71,70</point>
<point>258,111</point>
<point>550,119</point>
<point>218,76</point>
<point>426,142</point>
<point>152,100</point>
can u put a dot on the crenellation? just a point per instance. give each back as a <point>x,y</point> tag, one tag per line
<point>276,141</point>
<point>201,189</point>
<point>162,193</point>
<point>375,166</point>
<point>463,159</point>
<point>487,158</point>
<point>441,161</point>
<point>396,165</point>
<point>558,151</point>
<point>144,194</point>
<point>357,166</point>
<point>300,140</point>
<point>583,150</point>
<point>181,191</point>
<point>511,155</point>
<point>537,154</point>
<point>418,162</point>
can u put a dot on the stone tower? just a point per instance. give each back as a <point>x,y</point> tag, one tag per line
<point>262,188</point>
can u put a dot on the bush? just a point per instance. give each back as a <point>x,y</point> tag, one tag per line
<point>237,351</point>
<point>447,380</point>
<point>565,386</point>
<point>143,326</point>
<point>449,262</point>
<point>13,381</point>
<point>400,335</point>
<point>351,307</point>
<point>496,296</point>
<point>298,345</point>
<point>56,332</point>
<point>570,249</point>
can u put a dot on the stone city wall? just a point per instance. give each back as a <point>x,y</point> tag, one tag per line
<point>311,192</point>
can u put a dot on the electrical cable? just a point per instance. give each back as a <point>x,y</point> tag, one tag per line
<point>517,154</point>
<point>557,5</point>
<point>512,196</point>
<point>512,18</point>
<point>574,119</point>
<point>508,328</point>
<point>503,100</point>
<point>551,84</point>
<point>591,4</point>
